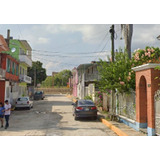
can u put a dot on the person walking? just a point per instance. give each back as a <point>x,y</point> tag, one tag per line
<point>2,110</point>
<point>7,113</point>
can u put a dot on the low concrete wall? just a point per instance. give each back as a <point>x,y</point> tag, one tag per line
<point>54,90</point>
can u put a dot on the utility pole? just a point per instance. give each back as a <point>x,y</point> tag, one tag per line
<point>112,41</point>
<point>127,30</point>
<point>35,77</point>
<point>112,53</point>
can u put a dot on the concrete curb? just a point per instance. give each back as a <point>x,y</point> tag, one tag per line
<point>107,123</point>
<point>113,128</point>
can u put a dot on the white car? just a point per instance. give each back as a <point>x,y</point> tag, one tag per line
<point>24,102</point>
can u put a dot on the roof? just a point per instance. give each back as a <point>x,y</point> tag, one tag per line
<point>84,66</point>
<point>26,45</point>
<point>3,44</point>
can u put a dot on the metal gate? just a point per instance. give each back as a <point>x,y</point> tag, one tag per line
<point>157,112</point>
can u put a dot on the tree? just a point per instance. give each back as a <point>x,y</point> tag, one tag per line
<point>117,75</point>
<point>61,79</point>
<point>39,71</point>
<point>48,82</point>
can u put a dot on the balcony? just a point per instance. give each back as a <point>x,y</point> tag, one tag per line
<point>24,78</point>
<point>92,77</point>
<point>2,73</point>
<point>26,60</point>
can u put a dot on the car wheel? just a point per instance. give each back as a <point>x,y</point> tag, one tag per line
<point>29,107</point>
<point>75,118</point>
<point>95,118</point>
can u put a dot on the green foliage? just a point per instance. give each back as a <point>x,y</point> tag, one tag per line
<point>39,70</point>
<point>88,97</point>
<point>48,82</point>
<point>117,75</point>
<point>147,55</point>
<point>99,102</point>
<point>61,79</point>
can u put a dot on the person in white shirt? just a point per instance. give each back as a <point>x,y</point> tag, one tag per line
<point>7,113</point>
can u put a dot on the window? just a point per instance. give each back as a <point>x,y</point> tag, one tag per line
<point>20,70</point>
<point>23,99</point>
<point>13,68</point>
<point>17,70</point>
<point>8,65</point>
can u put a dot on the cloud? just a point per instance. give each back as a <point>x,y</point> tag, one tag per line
<point>51,66</point>
<point>144,35</point>
<point>42,40</point>
<point>89,32</point>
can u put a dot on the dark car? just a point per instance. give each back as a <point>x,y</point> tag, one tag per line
<point>39,95</point>
<point>84,109</point>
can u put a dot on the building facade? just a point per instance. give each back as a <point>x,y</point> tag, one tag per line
<point>74,81</point>
<point>9,79</point>
<point>21,51</point>
<point>88,75</point>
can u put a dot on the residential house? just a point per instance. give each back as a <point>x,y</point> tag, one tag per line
<point>21,51</point>
<point>92,76</point>
<point>9,77</point>
<point>87,77</point>
<point>74,81</point>
<point>81,80</point>
<point>25,56</point>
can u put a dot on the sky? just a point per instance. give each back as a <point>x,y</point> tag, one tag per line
<point>65,46</point>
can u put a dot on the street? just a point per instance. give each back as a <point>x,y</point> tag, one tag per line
<point>52,117</point>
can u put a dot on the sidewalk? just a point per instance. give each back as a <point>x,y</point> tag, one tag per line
<point>119,128</point>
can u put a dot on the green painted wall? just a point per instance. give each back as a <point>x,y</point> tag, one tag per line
<point>14,44</point>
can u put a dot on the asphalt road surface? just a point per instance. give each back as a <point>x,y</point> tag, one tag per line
<point>52,117</point>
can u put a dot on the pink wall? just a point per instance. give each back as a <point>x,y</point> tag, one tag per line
<point>75,81</point>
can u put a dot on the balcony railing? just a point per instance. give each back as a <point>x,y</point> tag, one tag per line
<point>92,77</point>
<point>24,78</point>
<point>2,73</point>
<point>26,60</point>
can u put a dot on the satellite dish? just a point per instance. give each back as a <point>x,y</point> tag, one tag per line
<point>13,50</point>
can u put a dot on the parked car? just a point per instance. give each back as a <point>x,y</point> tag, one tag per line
<point>24,102</point>
<point>39,95</point>
<point>84,108</point>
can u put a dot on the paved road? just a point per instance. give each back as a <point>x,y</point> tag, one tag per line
<point>52,117</point>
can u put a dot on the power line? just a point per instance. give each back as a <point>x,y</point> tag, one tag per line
<point>54,61</point>
<point>70,56</point>
<point>102,51</point>
<point>20,31</point>
<point>75,52</point>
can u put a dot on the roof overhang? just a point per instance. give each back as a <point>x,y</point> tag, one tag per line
<point>145,66</point>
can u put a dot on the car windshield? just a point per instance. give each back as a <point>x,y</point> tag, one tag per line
<point>23,99</point>
<point>85,102</point>
<point>38,93</point>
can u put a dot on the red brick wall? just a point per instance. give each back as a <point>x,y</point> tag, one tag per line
<point>2,91</point>
<point>145,96</point>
